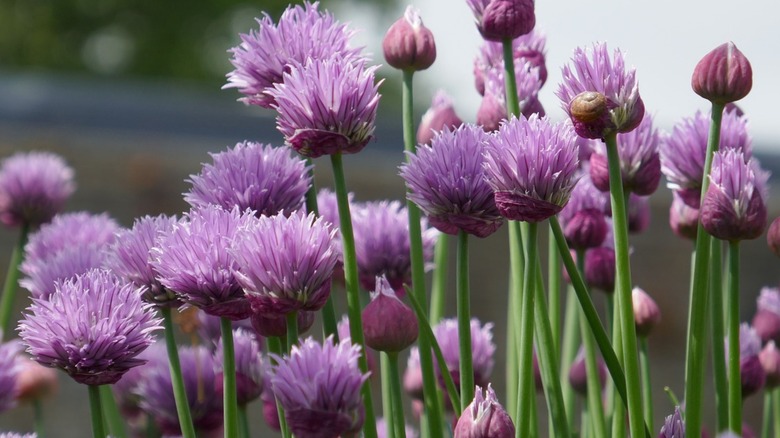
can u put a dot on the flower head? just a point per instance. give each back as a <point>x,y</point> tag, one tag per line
<point>389,325</point>
<point>594,71</point>
<point>734,207</point>
<point>751,372</point>
<point>482,349</point>
<point>93,327</point>
<point>770,362</point>
<point>42,275</point>
<point>268,326</point>
<point>492,110</point>
<point>250,369</point>
<point>528,48</point>
<point>498,20</point>
<point>440,116</point>
<point>382,243</point>
<point>447,181</point>
<point>327,106</point>
<point>10,369</point>
<point>647,314</point>
<point>317,400</point>
<point>723,75</point>
<point>264,55</point>
<point>285,264</point>
<point>773,236</point>
<point>484,417</point>
<point>33,188</point>
<point>131,258</point>
<point>683,219</point>
<point>766,322</point>
<point>252,176</point>
<point>683,151</point>
<point>530,164</point>
<point>408,44</point>
<point>674,426</point>
<point>193,261</point>
<point>600,268</point>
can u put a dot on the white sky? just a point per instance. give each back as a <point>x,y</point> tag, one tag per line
<point>663,39</point>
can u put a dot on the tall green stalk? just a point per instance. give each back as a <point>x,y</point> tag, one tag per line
<point>766,415</point>
<point>292,329</point>
<point>517,264</point>
<point>387,396</point>
<point>352,285</point>
<point>569,351</point>
<point>697,310</point>
<point>647,389</point>
<point>554,291</point>
<point>98,431</point>
<point>229,400</point>
<point>430,391</point>
<point>718,335</point>
<point>243,422</point>
<point>275,347</point>
<point>525,394</point>
<point>735,385</point>
<point>439,283</point>
<point>395,388</point>
<point>40,429</point>
<point>114,420</point>
<point>776,411</point>
<point>11,282</point>
<point>179,393</point>
<point>464,321</point>
<point>623,288</point>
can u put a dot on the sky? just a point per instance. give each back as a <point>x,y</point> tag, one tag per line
<point>662,39</point>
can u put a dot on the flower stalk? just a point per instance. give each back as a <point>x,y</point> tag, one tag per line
<point>229,380</point>
<point>275,347</point>
<point>718,335</point>
<point>735,381</point>
<point>11,282</point>
<point>464,321</point>
<point>98,430</point>
<point>179,393</point>
<point>525,393</point>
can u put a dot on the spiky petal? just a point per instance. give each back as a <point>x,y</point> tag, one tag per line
<point>482,349</point>
<point>484,417</point>
<point>528,48</point>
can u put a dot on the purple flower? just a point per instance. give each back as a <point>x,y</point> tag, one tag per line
<point>493,107</point>
<point>9,372</point>
<point>683,219</point>
<point>440,116</point>
<point>382,244</point>
<point>751,372</point>
<point>528,48</point>
<point>252,176</point>
<point>327,106</point>
<point>683,152</point>
<point>734,207</point>
<point>33,188</point>
<point>42,275</point>
<point>484,417</point>
<point>285,264</point>
<point>723,75</point>
<point>389,325</point>
<point>770,362</point>
<point>530,164</point>
<point>408,44</point>
<point>93,327</point>
<point>584,216</point>
<point>265,54</point>
<point>131,258</point>
<point>498,20</point>
<point>773,236</point>
<point>585,196</point>
<point>126,389</point>
<point>200,380</point>
<point>413,384</point>
<point>482,349</point>
<point>210,327</point>
<point>193,261</point>
<point>766,322</point>
<point>594,71</point>
<point>578,373</point>
<point>320,401</point>
<point>647,314</point>
<point>447,181</point>
<point>640,164</point>
<point>269,326</point>
<point>674,426</point>
<point>600,267</point>
<point>250,369</point>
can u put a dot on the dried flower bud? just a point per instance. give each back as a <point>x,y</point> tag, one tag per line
<point>724,75</point>
<point>770,361</point>
<point>586,229</point>
<point>408,44</point>
<point>646,312</point>
<point>484,418</point>
<point>773,236</point>
<point>389,325</point>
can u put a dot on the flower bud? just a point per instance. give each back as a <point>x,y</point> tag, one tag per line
<point>590,114</point>
<point>267,326</point>
<point>408,44</point>
<point>724,75</point>
<point>578,373</point>
<point>441,115</point>
<point>751,375</point>
<point>389,325</point>
<point>683,219</point>
<point>35,382</point>
<point>638,213</point>
<point>766,322</point>
<point>770,362</point>
<point>586,229</point>
<point>600,268</point>
<point>773,236</point>
<point>270,413</point>
<point>674,426</point>
<point>484,418</point>
<point>491,112</point>
<point>646,312</point>
<point>498,20</point>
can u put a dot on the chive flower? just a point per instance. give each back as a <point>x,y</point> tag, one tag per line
<point>250,369</point>
<point>526,49</point>
<point>440,116</point>
<point>492,110</point>
<point>484,417</point>
<point>766,321</point>
<point>10,369</point>
<point>482,349</point>
<point>498,20</point>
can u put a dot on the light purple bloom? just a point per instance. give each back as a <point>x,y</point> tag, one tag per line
<point>327,106</point>
<point>484,417</point>
<point>42,275</point>
<point>93,327</point>
<point>265,54</point>
<point>674,426</point>
<point>530,164</point>
<point>447,181</point>
<point>33,188</point>
<point>528,48</point>
<point>131,258</point>
<point>250,369</point>
<point>593,70</point>
<point>382,244</point>
<point>126,389</point>
<point>252,176</point>
<point>440,116</point>
<point>9,372</point>
<point>578,373</point>
<point>482,349</point>
<point>492,110</point>
<point>766,322</point>
<point>210,328</point>
<point>734,207</point>
<point>320,401</point>
<point>200,380</point>
<point>751,371</point>
<point>285,264</point>
<point>683,219</point>
<point>584,196</point>
<point>683,151</point>
<point>193,261</point>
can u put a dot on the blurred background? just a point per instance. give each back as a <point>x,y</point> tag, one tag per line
<point>129,93</point>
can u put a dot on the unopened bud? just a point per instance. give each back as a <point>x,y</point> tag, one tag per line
<point>408,44</point>
<point>724,75</point>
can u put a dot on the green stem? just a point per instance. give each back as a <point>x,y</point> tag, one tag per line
<point>511,357</point>
<point>569,352</point>
<point>554,291</point>
<point>395,388</point>
<point>647,389</point>
<point>512,103</point>
<point>718,335</point>
<point>623,289</point>
<point>292,329</point>
<point>619,410</point>
<point>387,396</point>
<point>116,424</point>
<point>11,282</point>
<point>179,393</point>
<point>697,310</point>
<point>609,397</point>
<point>766,415</point>
<point>430,391</point>
<point>97,415</point>
<point>229,400</point>
<point>525,394</point>
<point>243,422</point>
<point>776,411</point>
<point>275,347</point>
<point>439,284</point>
<point>40,429</point>
<point>735,383</point>
<point>516,263</point>
<point>464,321</point>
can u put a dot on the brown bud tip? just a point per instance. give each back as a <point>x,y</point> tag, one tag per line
<point>408,44</point>
<point>724,75</point>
